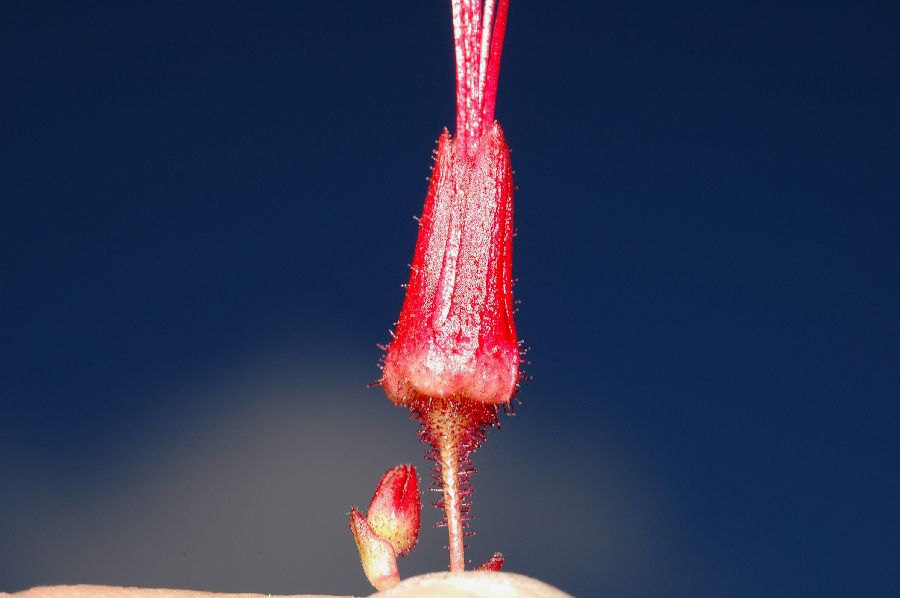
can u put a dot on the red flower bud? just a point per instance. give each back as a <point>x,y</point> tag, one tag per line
<point>495,563</point>
<point>396,507</point>
<point>377,555</point>
<point>456,338</point>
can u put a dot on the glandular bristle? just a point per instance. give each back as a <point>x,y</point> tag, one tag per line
<point>457,427</point>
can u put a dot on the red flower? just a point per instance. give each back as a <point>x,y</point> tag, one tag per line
<point>455,356</point>
<point>456,337</point>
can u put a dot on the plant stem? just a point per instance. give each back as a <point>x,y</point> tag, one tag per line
<point>448,453</point>
<point>454,429</point>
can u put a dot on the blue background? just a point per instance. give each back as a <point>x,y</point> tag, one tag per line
<point>206,217</point>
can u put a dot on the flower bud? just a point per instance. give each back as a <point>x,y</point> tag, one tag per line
<point>495,563</point>
<point>396,508</point>
<point>455,338</point>
<point>378,559</point>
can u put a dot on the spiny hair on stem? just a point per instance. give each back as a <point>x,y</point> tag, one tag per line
<point>464,424</point>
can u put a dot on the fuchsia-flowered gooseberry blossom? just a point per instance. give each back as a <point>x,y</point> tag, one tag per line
<point>455,338</point>
<point>454,358</point>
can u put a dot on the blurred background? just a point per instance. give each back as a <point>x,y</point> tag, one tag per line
<point>206,214</point>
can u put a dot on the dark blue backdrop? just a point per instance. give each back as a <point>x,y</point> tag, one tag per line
<point>206,217</point>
